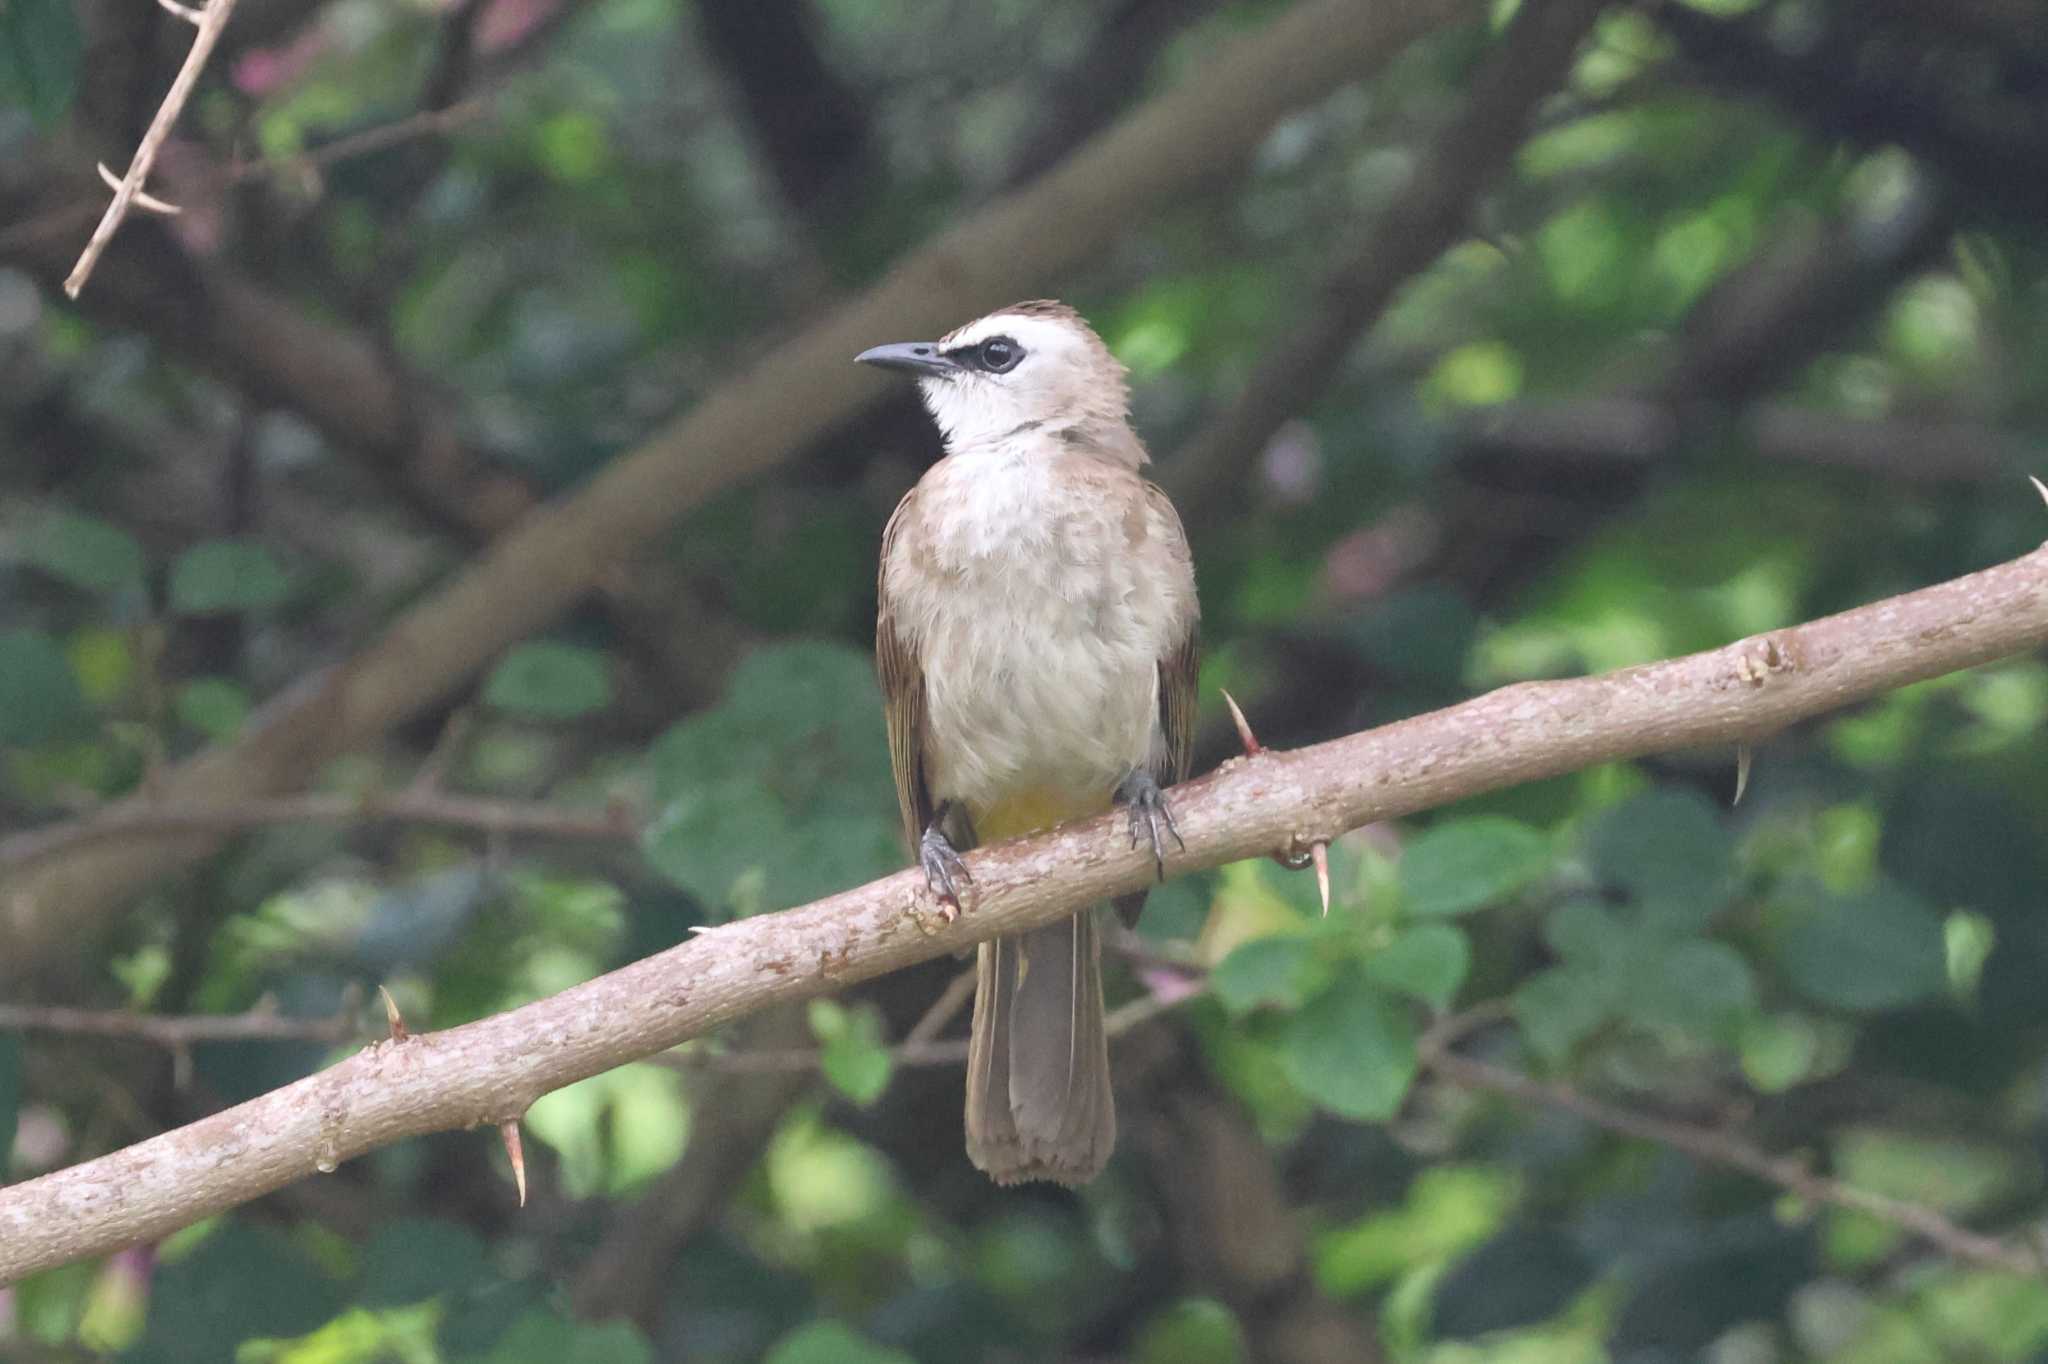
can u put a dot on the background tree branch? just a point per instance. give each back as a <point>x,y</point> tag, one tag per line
<point>1181,138</point>
<point>491,1070</point>
<point>1531,59</point>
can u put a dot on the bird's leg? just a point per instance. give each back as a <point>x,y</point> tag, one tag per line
<point>1151,816</point>
<point>944,872</point>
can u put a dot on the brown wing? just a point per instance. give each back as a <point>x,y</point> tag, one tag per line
<point>903,706</point>
<point>1177,670</point>
<point>1177,673</point>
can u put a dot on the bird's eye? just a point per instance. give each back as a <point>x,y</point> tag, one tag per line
<point>999,354</point>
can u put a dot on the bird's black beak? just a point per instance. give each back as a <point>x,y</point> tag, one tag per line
<point>921,358</point>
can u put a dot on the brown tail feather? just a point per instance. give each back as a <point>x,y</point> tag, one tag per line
<point>1038,1096</point>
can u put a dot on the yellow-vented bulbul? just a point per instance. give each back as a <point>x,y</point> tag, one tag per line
<point>1037,646</point>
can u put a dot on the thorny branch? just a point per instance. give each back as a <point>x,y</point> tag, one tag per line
<point>491,1070</point>
<point>210,19</point>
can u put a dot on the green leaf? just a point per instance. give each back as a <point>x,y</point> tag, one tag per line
<point>1193,1331</point>
<point>414,1259</point>
<point>240,1282</point>
<point>1779,1052</point>
<point>214,706</point>
<point>830,1342</point>
<point>1695,986</point>
<point>84,551</point>
<point>1559,1008</point>
<point>1876,949</point>
<point>11,1065</point>
<point>720,841</point>
<point>218,577</point>
<point>1669,850</point>
<point>853,1055</point>
<point>540,1337</point>
<point>1351,1049</point>
<point>1281,969</point>
<point>551,681</point>
<point>39,696</point>
<point>1427,962</point>
<point>1585,933</point>
<point>1448,1209</point>
<point>1523,1275</point>
<point>1467,864</point>
<point>40,45</point>
<point>780,793</point>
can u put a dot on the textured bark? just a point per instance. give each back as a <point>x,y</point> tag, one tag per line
<point>491,1070</point>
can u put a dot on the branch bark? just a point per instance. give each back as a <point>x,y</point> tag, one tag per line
<point>551,558</point>
<point>491,1070</point>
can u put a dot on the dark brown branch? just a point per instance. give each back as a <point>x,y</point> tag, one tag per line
<point>487,815</point>
<point>491,1070</point>
<point>1530,60</point>
<point>1085,96</point>
<point>1715,1147</point>
<point>813,127</point>
<point>552,557</point>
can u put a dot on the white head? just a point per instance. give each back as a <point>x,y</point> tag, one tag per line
<point>1031,369</point>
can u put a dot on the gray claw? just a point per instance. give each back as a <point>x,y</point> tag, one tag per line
<point>944,872</point>
<point>1151,817</point>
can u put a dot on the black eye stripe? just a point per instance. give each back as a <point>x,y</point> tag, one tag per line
<point>995,355</point>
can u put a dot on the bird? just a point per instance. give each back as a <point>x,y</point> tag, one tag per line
<point>1036,639</point>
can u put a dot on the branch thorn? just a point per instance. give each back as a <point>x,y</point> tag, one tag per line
<point>2039,487</point>
<point>1319,853</point>
<point>516,1153</point>
<point>399,1032</point>
<point>1252,747</point>
<point>142,199</point>
<point>1743,753</point>
<point>188,13</point>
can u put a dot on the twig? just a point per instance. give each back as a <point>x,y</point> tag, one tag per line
<point>950,1002</point>
<point>178,1031</point>
<point>1724,1148</point>
<point>491,816</point>
<point>27,234</point>
<point>425,123</point>
<point>909,1052</point>
<point>210,21</point>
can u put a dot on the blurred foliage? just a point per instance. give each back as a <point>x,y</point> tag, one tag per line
<point>1848,965</point>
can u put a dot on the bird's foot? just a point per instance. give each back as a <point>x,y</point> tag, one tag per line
<point>1151,817</point>
<point>944,872</point>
